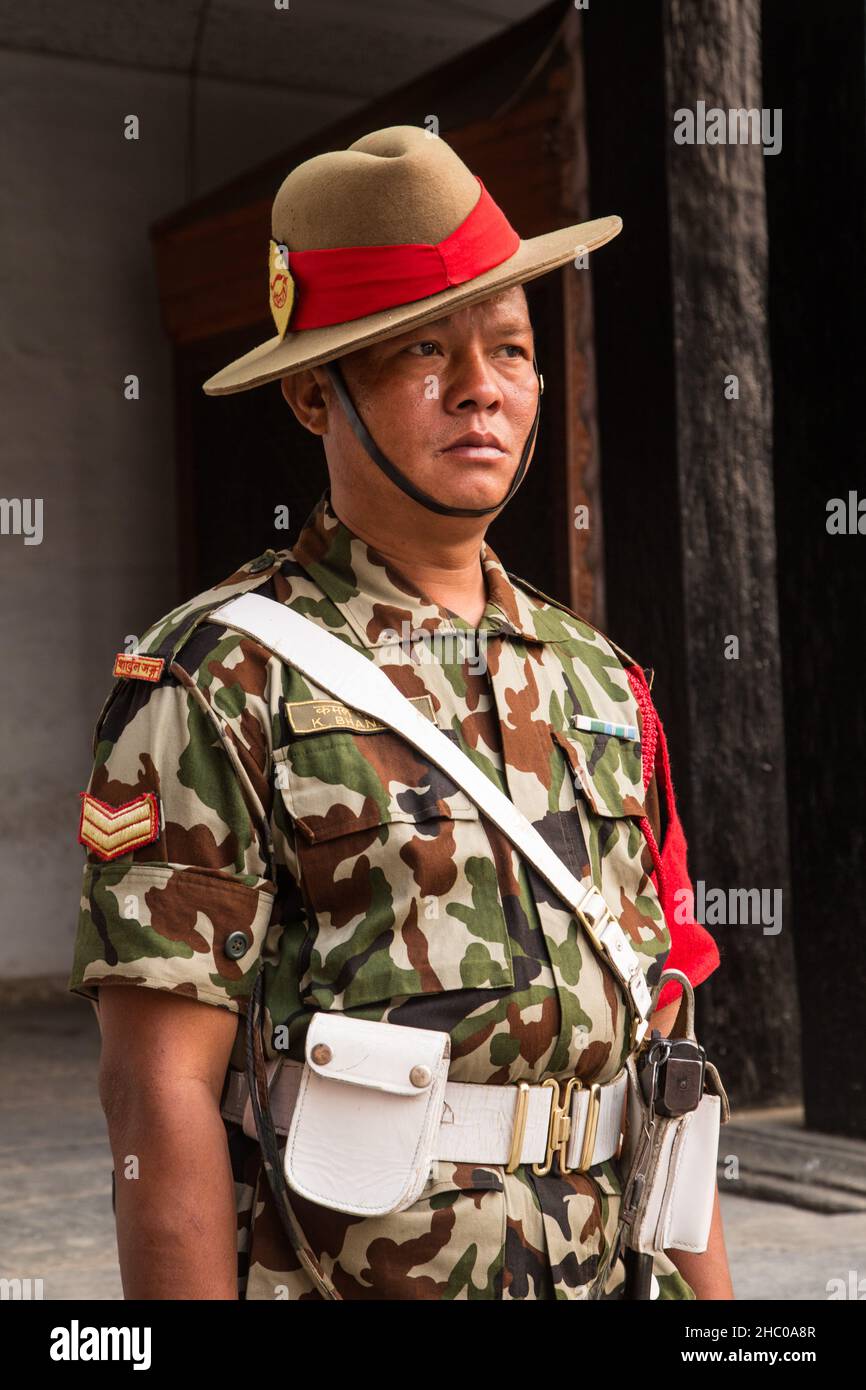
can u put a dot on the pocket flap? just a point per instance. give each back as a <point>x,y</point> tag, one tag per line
<point>385,1056</point>
<point>607,769</point>
<point>338,783</point>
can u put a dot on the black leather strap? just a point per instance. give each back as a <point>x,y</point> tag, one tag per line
<point>405,484</point>
<point>272,1162</point>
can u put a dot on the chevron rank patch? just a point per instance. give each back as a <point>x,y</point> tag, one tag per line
<point>138,668</point>
<point>114,830</point>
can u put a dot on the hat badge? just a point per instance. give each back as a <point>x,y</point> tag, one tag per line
<point>281,286</point>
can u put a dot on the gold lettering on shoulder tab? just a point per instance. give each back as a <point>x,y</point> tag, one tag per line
<point>314,716</point>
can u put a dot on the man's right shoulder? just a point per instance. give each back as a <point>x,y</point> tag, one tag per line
<point>184,649</point>
<point>169,634</point>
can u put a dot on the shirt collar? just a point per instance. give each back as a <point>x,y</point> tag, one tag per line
<point>377,600</point>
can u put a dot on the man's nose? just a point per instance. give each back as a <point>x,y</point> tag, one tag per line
<point>473,385</point>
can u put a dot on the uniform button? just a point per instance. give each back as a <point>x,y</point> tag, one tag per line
<point>236,945</point>
<point>420,1076</point>
<point>262,563</point>
<point>321,1054</point>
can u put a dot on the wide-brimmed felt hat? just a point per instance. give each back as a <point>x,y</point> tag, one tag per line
<point>387,235</point>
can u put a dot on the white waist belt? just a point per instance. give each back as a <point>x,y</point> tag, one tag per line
<point>508,1125</point>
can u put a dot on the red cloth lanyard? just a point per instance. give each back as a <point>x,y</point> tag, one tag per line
<point>693,950</point>
<point>349,282</point>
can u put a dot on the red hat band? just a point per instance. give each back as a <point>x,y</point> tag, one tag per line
<point>350,282</point>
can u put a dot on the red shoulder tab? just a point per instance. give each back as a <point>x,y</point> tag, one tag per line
<point>138,668</point>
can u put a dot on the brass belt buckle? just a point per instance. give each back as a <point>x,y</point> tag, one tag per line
<point>559,1125</point>
<point>519,1128</point>
<point>591,1128</point>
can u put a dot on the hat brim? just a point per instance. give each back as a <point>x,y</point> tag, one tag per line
<point>279,357</point>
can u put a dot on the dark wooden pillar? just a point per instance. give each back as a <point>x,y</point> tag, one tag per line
<point>688,495</point>
<point>815,71</point>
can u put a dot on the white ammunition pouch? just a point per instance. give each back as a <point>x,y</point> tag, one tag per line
<point>669,1162</point>
<point>364,1125</point>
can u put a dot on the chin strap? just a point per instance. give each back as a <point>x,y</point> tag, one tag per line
<point>405,484</point>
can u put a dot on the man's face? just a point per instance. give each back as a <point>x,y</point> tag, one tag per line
<point>451,403</point>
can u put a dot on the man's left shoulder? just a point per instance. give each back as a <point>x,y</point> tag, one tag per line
<point>555,621</point>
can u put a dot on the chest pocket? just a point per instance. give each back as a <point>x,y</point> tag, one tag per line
<point>606,769</point>
<point>396,871</point>
<point>605,788</point>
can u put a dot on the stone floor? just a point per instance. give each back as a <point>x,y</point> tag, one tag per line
<point>55,1180</point>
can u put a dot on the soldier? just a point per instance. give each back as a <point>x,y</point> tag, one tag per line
<point>250,838</point>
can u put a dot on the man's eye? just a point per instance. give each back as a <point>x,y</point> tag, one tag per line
<point>513,348</point>
<point>419,348</point>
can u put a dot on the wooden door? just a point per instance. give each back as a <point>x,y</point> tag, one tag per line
<point>242,457</point>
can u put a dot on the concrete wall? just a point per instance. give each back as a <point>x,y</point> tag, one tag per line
<point>79,313</point>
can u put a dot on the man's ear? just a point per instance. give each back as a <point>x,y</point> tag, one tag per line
<point>304,393</point>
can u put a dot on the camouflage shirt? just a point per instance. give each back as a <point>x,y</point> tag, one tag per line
<point>331,854</point>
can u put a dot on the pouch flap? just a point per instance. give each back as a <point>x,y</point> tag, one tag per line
<point>385,1056</point>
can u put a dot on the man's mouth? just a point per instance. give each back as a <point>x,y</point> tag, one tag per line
<point>475,446</point>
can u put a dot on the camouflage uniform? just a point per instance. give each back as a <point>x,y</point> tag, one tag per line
<point>364,880</point>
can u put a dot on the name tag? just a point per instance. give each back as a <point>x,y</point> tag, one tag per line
<point>598,726</point>
<point>312,716</point>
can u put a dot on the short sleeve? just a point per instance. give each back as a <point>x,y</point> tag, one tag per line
<point>162,914</point>
<point>693,949</point>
